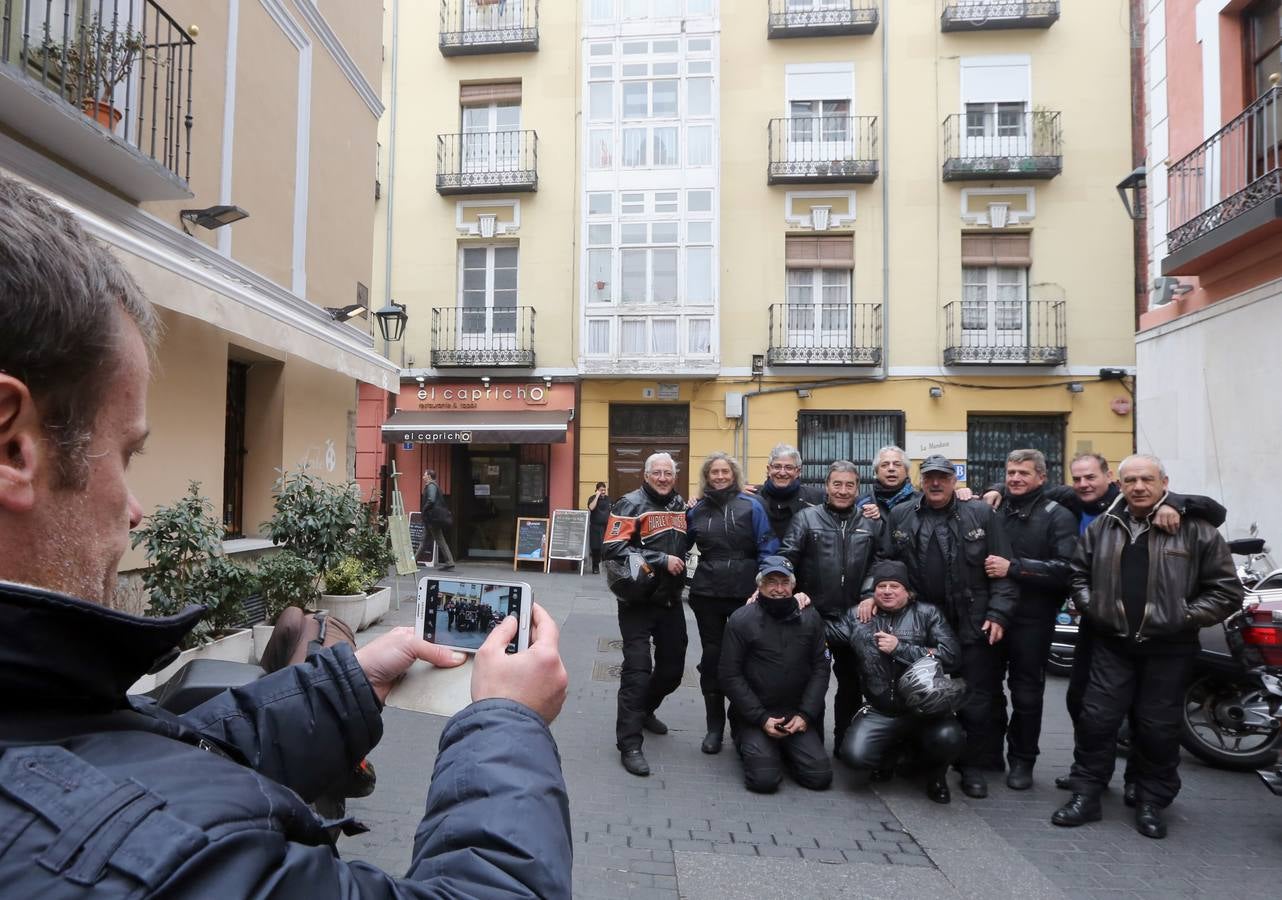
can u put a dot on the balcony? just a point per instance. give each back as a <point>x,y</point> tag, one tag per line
<point>489,26</point>
<point>823,150</point>
<point>487,162</point>
<point>488,337</point>
<point>997,15</point>
<point>105,86</point>
<point>1005,332</point>
<point>825,334</point>
<point>821,18</point>
<point>1226,195</point>
<point>1016,146</point>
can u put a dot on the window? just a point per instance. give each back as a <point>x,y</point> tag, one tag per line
<point>1262,28</point>
<point>1003,120</point>
<point>825,437</point>
<point>491,122</point>
<point>990,438</point>
<point>234,450</point>
<point>487,291</point>
<point>994,300</point>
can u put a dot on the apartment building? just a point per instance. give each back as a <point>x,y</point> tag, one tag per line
<point>832,223</point>
<point>159,123</point>
<point>1209,369</point>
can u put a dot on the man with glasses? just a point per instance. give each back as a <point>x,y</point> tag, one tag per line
<point>783,493</point>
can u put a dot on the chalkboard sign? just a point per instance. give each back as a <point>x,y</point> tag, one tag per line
<point>531,542</point>
<point>569,538</point>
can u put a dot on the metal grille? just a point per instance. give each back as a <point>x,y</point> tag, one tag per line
<point>990,438</point>
<point>825,437</point>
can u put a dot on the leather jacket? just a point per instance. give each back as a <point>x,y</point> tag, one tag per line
<point>919,626</point>
<point>1043,537</point>
<point>654,526</point>
<point>833,556</point>
<point>1192,582</point>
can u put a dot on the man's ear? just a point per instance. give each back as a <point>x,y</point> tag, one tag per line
<point>20,446</point>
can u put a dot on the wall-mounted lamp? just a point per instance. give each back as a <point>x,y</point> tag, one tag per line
<point>485,380</point>
<point>758,364</point>
<point>391,321</point>
<point>547,381</point>
<point>211,217</point>
<point>421,379</point>
<point>936,392</point>
<point>346,313</point>
<point>803,393</point>
<point>1075,387</point>
<point>1129,190</point>
<point>1166,289</point>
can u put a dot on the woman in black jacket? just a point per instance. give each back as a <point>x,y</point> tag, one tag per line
<point>599,514</point>
<point>732,531</point>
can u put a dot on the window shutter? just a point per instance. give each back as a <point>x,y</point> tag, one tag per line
<point>805,252</point>
<point>997,250</point>
<point>485,94</point>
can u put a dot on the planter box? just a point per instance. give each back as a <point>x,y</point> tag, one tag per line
<point>377,604</point>
<point>238,647</point>
<point>348,607</point>
<point>262,634</point>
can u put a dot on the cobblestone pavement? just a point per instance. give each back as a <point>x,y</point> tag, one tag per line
<point>692,830</point>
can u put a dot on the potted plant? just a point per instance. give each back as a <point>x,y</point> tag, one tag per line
<point>370,545</point>
<point>284,580</point>
<point>313,518</point>
<point>343,593</point>
<point>97,57</point>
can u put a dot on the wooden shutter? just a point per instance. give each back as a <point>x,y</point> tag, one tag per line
<point>997,250</point>
<point>485,94</point>
<point>806,252</point>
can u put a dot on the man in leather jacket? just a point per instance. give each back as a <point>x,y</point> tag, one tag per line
<point>899,633</point>
<point>1144,595</point>
<point>650,521</point>
<point>832,548</point>
<point>102,794</point>
<point>774,670</point>
<point>944,541</point>
<point>782,494</point>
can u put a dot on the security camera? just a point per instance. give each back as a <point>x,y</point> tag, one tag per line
<point>1165,289</point>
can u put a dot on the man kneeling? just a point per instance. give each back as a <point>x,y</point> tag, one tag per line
<point>774,671</point>
<point>910,706</point>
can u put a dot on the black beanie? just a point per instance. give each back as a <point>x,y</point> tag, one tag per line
<point>890,570</point>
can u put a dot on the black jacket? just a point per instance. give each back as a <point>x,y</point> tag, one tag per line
<point>833,555</point>
<point>774,667</point>
<point>781,506</point>
<point>972,596</point>
<point>1195,505</point>
<point>1043,537</point>
<point>107,795</point>
<point>733,535</point>
<point>655,527</point>
<point>919,627</point>
<point>598,516</point>
<point>1192,582</point>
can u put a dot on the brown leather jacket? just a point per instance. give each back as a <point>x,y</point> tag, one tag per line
<point>1192,582</point>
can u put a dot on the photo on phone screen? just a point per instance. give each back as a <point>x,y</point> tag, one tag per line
<point>461,614</point>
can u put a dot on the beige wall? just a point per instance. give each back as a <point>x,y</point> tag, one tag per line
<point>359,25</point>
<point>316,403</point>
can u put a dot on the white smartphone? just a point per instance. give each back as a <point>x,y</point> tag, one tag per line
<point>461,614</point>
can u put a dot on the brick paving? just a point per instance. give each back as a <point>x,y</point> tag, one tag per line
<point>634,836</point>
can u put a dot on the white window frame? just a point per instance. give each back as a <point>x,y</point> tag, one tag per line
<point>808,323</point>
<point>994,304</point>
<point>494,335</point>
<point>491,148</point>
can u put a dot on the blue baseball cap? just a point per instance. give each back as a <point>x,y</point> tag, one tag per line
<point>777,565</point>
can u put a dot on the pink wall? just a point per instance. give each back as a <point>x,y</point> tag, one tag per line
<point>371,411</point>
<point>1183,77</point>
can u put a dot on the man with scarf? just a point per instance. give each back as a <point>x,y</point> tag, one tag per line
<point>783,494</point>
<point>774,670</point>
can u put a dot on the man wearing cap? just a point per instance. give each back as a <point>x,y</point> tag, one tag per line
<point>774,671</point>
<point>900,632</point>
<point>944,542</point>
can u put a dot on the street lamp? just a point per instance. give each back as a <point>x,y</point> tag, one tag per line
<point>391,321</point>
<point>212,216</point>
<point>1129,190</point>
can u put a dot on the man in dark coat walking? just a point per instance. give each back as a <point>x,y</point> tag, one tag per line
<point>598,516</point>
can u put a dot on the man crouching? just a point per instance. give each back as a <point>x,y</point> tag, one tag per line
<point>910,706</point>
<point>774,671</point>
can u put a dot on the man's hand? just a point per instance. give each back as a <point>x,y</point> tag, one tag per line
<point>774,728</point>
<point>389,656</point>
<point>871,511</point>
<point>535,677</point>
<point>803,599</point>
<point>996,566</point>
<point>675,565</point>
<point>865,609</point>
<point>795,725</point>
<point>964,494</point>
<point>993,498</point>
<point>1167,519</point>
<point>751,488</point>
<point>886,642</point>
<point>993,630</point>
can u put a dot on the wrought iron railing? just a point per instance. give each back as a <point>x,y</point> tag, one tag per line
<point>825,334</point>
<point>801,18</point>
<point>980,15</point>
<point>1006,332</point>
<point>489,26</point>
<point>126,63</point>
<point>997,145</point>
<point>487,161</point>
<point>483,336</point>
<point>822,149</point>
<point>1236,169</point>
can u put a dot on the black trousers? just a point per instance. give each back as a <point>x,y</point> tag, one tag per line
<point>1077,689</point>
<point>874,737</point>
<point>644,682</point>
<point>983,715</point>
<point>1023,652</point>
<point>764,759</point>
<point>710,615</point>
<point>1147,683</point>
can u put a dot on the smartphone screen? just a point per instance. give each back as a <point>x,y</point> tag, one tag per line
<point>461,614</point>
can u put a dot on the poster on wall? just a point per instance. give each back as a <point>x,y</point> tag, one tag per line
<point>569,539</point>
<point>531,542</point>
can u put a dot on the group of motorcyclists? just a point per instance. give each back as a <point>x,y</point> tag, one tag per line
<point>897,587</point>
<point>469,614</point>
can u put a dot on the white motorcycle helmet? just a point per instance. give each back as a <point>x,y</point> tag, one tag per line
<point>927,690</point>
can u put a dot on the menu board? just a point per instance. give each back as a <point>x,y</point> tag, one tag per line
<point>569,538</point>
<point>531,542</point>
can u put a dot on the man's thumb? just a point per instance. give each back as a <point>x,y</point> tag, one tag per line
<point>502,635</point>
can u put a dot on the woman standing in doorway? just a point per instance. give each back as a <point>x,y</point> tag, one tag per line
<point>599,509</point>
<point>732,531</point>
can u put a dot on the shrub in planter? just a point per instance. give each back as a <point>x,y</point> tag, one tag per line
<point>347,578</point>
<point>286,580</point>
<point>370,545</point>
<point>314,519</point>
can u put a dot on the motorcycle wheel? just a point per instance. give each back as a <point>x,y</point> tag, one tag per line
<point>1211,728</point>
<point>1060,664</point>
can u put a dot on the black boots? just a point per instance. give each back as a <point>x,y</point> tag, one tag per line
<point>715,705</point>
<point>1148,821</point>
<point>634,762</point>
<point>654,724</point>
<point>973,783</point>
<point>1077,811</point>
<point>1020,775</point>
<point>937,786</point>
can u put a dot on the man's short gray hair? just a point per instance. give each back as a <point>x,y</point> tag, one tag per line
<point>781,451</point>
<point>659,457</point>
<point>1036,457</point>
<point>761,576</point>
<point>1138,457</point>
<point>843,465</point>
<point>891,448</point>
<point>61,296</point>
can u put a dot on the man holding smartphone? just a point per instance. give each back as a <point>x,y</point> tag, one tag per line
<point>209,803</point>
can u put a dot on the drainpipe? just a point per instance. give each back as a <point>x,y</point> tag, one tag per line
<point>391,169</point>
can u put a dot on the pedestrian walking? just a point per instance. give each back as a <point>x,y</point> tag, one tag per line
<point>436,517</point>
<point>598,515</point>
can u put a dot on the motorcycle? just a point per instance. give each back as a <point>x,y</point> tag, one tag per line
<point>1271,678</point>
<point>1064,644</point>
